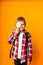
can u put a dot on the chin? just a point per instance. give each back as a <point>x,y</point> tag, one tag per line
<point>21,29</point>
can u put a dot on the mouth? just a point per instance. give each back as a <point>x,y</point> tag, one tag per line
<point>21,28</point>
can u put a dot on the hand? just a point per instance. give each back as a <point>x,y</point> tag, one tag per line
<point>28,63</point>
<point>17,30</point>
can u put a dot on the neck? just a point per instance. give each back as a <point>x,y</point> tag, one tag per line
<point>23,30</point>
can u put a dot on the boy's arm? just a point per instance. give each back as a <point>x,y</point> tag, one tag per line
<point>29,50</point>
<point>12,37</point>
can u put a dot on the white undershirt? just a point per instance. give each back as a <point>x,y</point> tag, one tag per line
<point>20,44</point>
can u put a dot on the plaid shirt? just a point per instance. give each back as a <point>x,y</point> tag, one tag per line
<point>26,52</point>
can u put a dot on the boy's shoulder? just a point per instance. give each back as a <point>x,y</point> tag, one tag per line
<point>27,33</point>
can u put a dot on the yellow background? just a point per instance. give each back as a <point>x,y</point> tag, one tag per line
<point>32,11</point>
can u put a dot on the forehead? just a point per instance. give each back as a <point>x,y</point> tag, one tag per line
<point>22,22</point>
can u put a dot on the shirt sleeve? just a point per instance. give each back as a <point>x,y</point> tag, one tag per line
<point>29,50</point>
<point>12,37</point>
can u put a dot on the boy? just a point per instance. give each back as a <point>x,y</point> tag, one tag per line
<point>21,50</point>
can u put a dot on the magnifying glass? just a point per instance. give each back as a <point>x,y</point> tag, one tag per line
<point>18,24</point>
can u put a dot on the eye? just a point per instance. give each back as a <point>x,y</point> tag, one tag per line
<point>18,24</point>
<point>22,24</point>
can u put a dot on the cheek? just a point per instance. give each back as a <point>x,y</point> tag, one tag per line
<point>23,26</point>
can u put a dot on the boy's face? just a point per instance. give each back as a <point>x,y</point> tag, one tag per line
<point>22,25</point>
